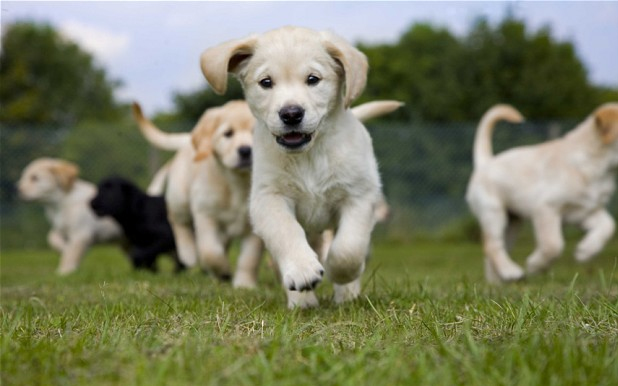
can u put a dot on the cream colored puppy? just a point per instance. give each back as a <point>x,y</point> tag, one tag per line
<point>207,190</point>
<point>66,199</point>
<point>216,187</point>
<point>314,167</point>
<point>570,179</point>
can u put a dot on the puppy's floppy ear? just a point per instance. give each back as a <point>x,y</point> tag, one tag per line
<point>353,62</point>
<point>230,56</point>
<point>65,173</point>
<point>201,136</point>
<point>606,122</point>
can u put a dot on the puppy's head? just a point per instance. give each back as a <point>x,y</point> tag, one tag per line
<point>226,132</point>
<point>47,179</point>
<point>293,78</point>
<point>606,125</point>
<point>606,122</point>
<point>113,197</point>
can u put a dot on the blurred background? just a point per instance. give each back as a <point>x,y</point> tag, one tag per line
<point>69,71</point>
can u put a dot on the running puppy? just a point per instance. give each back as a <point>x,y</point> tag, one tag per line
<point>74,226</point>
<point>570,179</point>
<point>208,191</point>
<point>142,217</point>
<point>208,188</point>
<point>314,168</point>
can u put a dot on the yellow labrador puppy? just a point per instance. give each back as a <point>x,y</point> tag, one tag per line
<point>208,187</point>
<point>314,167</point>
<point>66,199</point>
<point>207,190</point>
<point>570,179</point>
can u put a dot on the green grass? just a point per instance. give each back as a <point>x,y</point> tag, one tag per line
<point>425,318</point>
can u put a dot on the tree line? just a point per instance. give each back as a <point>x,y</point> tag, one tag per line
<point>55,100</point>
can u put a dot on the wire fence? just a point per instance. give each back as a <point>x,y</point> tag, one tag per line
<point>425,168</point>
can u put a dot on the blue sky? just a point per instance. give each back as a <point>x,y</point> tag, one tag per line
<point>154,47</point>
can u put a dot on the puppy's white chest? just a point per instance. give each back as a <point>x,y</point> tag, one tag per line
<point>57,220</point>
<point>316,204</point>
<point>596,195</point>
<point>234,221</point>
<point>315,216</point>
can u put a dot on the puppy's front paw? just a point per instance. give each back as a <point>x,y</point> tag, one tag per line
<point>347,292</point>
<point>244,280</point>
<point>66,268</point>
<point>302,274</point>
<point>585,251</point>
<point>536,264</point>
<point>511,272</point>
<point>302,300</point>
<point>499,273</point>
<point>64,271</point>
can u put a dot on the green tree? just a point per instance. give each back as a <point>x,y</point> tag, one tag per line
<point>49,80</point>
<point>443,78</point>
<point>102,149</point>
<point>421,70</point>
<point>191,106</point>
<point>48,85</point>
<point>542,77</point>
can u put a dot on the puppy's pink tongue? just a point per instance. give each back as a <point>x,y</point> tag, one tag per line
<point>293,137</point>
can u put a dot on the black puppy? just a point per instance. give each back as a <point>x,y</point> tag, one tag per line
<point>142,217</point>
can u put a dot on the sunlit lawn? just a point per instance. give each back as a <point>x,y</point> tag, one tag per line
<point>425,318</point>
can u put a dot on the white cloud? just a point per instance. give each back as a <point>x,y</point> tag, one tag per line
<point>105,45</point>
<point>154,47</point>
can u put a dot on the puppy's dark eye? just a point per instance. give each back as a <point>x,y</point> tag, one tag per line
<point>266,83</point>
<point>312,80</point>
<point>229,133</point>
<point>34,178</point>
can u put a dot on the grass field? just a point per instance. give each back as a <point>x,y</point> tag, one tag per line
<point>425,318</point>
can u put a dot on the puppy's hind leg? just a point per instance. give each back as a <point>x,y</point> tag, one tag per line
<point>550,243</point>
<point>185,243</point>
<point>73,252</point>
<point>211,249</point>
<point>491,275</point>
<point>56,241</point>
<point>143,259</point>
<point>349,250</point>
<point>498,265</point>
<point>512,230</point>
<point>248,264</point>
<point>510,236</point>
<point>599,228</point>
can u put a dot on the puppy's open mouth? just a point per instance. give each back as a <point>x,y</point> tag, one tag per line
<point>243,165</point>
<point>294,139</point>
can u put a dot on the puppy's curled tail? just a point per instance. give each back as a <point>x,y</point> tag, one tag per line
<point>375,109</point>
<point>483,150</point>
<point>157,185</point>
<point>160,139</point>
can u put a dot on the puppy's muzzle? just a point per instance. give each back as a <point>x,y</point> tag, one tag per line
<point>245,157</point>
<point>244,152</point>
<point>22,193</point>
<point>292,115</point>
<point>294,137</point>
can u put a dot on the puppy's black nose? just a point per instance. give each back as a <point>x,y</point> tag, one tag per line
<point>292,114</point>
<point>244,152</point>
